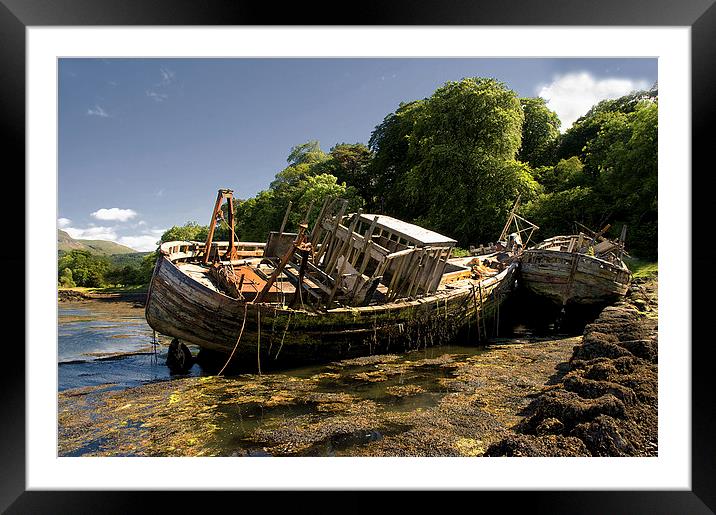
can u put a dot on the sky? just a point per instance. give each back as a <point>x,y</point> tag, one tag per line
<point>144,144</point>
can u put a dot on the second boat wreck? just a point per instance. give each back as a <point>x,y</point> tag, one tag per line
<point>353,284</point>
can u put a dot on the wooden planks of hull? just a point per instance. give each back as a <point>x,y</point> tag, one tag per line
<point>182,307</point>
<point>568,277</point>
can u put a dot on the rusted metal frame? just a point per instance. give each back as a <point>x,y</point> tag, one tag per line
<point>339,277</point>
<point>212,226</point>
<point>231,253</point>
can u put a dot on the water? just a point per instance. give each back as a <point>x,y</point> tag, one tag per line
<point>109,343</point>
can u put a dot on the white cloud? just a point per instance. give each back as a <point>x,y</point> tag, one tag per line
<point>92,233</point>
<point>114,213</point>
<point>97,111</point>
<point>573,94</point>
<point>63,222</point>
<point>158,97</point>
<point>167,75</point>
<point>143,243</point>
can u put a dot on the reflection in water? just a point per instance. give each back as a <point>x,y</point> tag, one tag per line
<point>108,342</point>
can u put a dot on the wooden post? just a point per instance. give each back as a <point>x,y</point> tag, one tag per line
<point>345,258</point>
<point>340,247</point>
<point>316,230</point>
<point>332,234</point>
<point>285,259</point>
<point>366,253</point>
<point>285,219</point>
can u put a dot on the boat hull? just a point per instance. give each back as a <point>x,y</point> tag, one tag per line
<point>572,278</point>
<point>181,307</point>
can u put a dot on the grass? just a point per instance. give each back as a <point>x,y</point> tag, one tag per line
<point>640,268</point>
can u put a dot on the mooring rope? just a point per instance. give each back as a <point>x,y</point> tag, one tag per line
<point>288,321</point>
<point>258,340</point>
<point>243,324</point>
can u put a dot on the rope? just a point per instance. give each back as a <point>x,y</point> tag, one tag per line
<point>288,321</point>
<point>258,340</point>
<point>221,216</point>
<point>243,324</point>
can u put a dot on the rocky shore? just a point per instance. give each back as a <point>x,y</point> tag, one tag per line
<point>606,404</point>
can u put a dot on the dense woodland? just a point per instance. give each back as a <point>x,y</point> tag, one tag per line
<point>455,163</point>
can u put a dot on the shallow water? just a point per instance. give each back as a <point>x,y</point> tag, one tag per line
<point>109,342</point>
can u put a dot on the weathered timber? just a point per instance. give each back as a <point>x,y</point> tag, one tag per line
<point>555,269</point>
<point>181,307</point>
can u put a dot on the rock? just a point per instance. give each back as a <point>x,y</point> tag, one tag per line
<point>550,426</point>
<point>604,437</point>
<point>552,445</point>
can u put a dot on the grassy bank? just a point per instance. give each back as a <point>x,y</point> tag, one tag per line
<point>641,268</point>
<point>135,288</point>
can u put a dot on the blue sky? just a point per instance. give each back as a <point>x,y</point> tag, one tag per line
<point>145,143</point>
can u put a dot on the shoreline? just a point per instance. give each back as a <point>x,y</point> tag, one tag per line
<point>67,295</point>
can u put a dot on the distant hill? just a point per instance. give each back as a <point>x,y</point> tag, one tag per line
<point>66,243</point>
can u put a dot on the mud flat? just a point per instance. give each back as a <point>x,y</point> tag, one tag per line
<point>606,403</point>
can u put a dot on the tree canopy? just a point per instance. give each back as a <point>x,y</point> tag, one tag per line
<point>459,144</point>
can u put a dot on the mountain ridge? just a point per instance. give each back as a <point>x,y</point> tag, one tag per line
<point>66,243</point>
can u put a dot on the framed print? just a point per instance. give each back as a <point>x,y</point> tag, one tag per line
<point>127,124</point>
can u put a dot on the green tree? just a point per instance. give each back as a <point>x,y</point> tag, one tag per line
<point>190,231</point>
<point>539,132</point>
<point>87,269</point>
<point>451,159</point>
<point>350,163</point>
<point>304,183</point>
<point>566,174</point>
<point>306,153</point>
<point>66,280</point>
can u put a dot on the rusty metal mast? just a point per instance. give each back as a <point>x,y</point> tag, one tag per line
<point>216,216</point>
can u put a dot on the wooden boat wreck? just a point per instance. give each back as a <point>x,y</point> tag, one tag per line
<point>580,269</point>
<point>355,284</point>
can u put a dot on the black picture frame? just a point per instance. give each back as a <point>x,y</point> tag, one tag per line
<point>700,15</point>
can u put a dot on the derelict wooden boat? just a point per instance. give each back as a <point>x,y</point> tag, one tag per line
<point>563,269</point>
<point>356,284</point>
